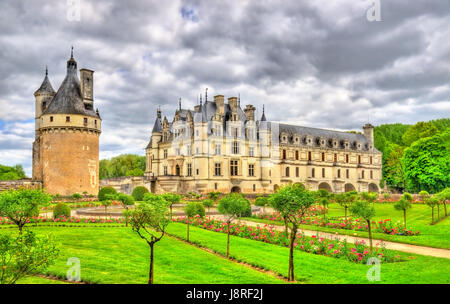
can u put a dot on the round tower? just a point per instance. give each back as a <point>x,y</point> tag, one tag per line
<point>69,137</point>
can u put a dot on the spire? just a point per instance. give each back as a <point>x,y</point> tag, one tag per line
<point>157,127</point>
<point>206,95</point>
<point>71,52</point>
<point>263,117</point>
<point>71,63</point>
<point>200,101</point>
<point>46,86</point>
<point>179,103</point>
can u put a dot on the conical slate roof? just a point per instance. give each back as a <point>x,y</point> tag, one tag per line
<point>46,86</point>
<point>68,99</point>
<point>157,127</point>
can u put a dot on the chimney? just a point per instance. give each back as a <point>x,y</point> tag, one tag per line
<point>232,101</point>
<point>368,133</point>
<point>250,112</point>
<point>220,101</point>
<point>87,87</point>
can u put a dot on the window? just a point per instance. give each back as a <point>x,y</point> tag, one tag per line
<point>335,157</point>
<point>95,122</point>
<point>165,170</point>
<point>217,171</point>
<point>178,151</point>
<point>323,172</point>
<point>313,173</point>
<point>189,169</point>
<point>233,167</point>
<point>297,172</point>
<point>235,147</point>
<point>51,118</point>
<point>188,150</point>
<point>67,118</point>
<point>362,174</point>
<point>284,154</point>
<point>296,154</point>
<point>235,132</point>
<point>254,187</point>
<point>215,186</point>
<point>346,158</point>
<point>347,173</point>
<point>359,159</point>
<point>309,155</point>
<point>371,160</point>
<point>287,171</point>
<point>371,174</point>
<point>197,171</point>
<point>165,153</point>
<point>251,151</point>
<point>217,149</point>
<point>323,156</point>
<point>339,173</point>
<point>85,121</point>
<point>251,170</point>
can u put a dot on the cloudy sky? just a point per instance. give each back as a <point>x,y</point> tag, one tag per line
<point>316,63</point>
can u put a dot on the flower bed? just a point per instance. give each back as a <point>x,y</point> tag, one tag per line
<point>382,226</point>
<point>63,219</point>
<point>358,253</point>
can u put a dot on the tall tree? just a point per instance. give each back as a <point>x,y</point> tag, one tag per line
<point>418,131</point>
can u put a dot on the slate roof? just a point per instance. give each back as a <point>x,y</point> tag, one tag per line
<point>46,86</point>
<point>68,99</point>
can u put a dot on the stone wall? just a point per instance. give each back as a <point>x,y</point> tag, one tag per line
<point>125,184</point>
<point>15,184</point>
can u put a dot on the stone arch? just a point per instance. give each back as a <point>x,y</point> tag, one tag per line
<point>236,189</point>
<point>373,188</point>
<point>349,187</point>
<point>275,188</point>
<point>325,186</point>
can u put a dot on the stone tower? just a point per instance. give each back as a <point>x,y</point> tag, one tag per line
<point>66,146</point>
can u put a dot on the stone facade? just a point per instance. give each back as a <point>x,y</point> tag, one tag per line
<point>67,130</point>
<point>220,147</point>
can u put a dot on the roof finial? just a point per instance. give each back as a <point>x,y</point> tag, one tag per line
<point>46,70</point>
<point>206,95</point>
<point>71,52</point>
<point>200,100</point>
<point>179,103</point>
<point>263,109</point>
<point>239,99</point>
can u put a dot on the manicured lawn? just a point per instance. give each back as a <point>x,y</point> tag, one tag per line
<point>310,268</point>
<point>418,218</point>
<point>39,280</point>
<point>117,255</point>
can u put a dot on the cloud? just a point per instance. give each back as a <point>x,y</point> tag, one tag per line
<point>316,63</point>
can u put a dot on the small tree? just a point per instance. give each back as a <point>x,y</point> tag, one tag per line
<point>292,203</point>
<point>343,200</point>
<point>127,201</point>
<point>192,209</point>
<point>104,191</point>
<point>262,201</point>
<point>323,199</point>
<point>208,203</point>
<point>366,211</point>
<point>213,196</point>
<point>19,206</point>
<point>232,206</point>
<point>423,196</point>
<point>403,204</point>
<point>108,201</point>
<point>171,198</point>
<point>149,220</point>
<point>443,197</point>
<point>370,197</point>
<point>432,202</point>
<point>25,254</point>
<point>61,209</point>
<point>139,192</point>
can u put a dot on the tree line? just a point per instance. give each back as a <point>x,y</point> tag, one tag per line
<point>122,165</point>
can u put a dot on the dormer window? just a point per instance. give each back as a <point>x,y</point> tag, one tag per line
<point>67,118</point>
<point>51,118</point>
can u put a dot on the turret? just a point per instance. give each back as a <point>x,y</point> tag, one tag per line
<point>43,96</point>
<point>157,130</point>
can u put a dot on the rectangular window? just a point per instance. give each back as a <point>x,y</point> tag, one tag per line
<point>198,171</point>
<point>339,173</point>
<point>67,118</point>
<point>85,121</point>
<point>189,169</point>
<point>165,153</point>
<point>297,172</point>
<point>251,170</point>
<point>313,173</point>
<point>346,158</point>
<point>51,118</point>
<point>371,160</point>
<point>323,172</point>
<point>254,187</point>
<point>251,151</point>
<point>371,174</point>
<point>359,159</point>
<point>95,122</point>
<point>217,149</point>
<point>235,147</point>
<point>362,174</point>
<point>296,155</point>
<point>233,167</point>
<point>217,169</point>
<point>215,186</point>
<point>309,155</point>
<point>335,157</point>
<point>188,150</point>
<point>347,173</point>
<point>284,154</point>
<point>165,170</point>
<point>323,156</point>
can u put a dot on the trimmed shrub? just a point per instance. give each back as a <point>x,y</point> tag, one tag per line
<point>139,192</point>
<point>61,209</point>
<point>77,196</point>
<point>104,191</point>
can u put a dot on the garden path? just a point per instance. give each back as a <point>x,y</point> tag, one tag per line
<point>423,250</point>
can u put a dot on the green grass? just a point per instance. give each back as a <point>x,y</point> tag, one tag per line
<point>310,268</point>
<point>117,255</point>
<point>38,280</point>
<point>418,218</point>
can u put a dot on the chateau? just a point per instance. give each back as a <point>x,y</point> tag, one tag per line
<point>219,146</point>
<point>67,130</point>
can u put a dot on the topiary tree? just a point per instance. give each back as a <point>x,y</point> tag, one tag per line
<point>61,209</point>
<point>213,196</point>
<point>365,210</point>
<point>139,192</point>
<point>292,203</point>
<point>127,201</point>
<point>171,198</point>
<point>423,195</point>
<point>108,201</point>
<point>149,220</point>
<point>432,202</point>
<point>403,204</point>
<point>104,191</point>
<point>19,206</point>
<point>343,200</point>
<point>192,209</point>
<point>443,197</point>
<point>262,201</point>
<point>208,203</point>
<point>24,255</point>
<point>232,206</point>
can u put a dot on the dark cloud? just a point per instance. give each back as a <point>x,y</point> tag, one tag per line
<point>318,63</point>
